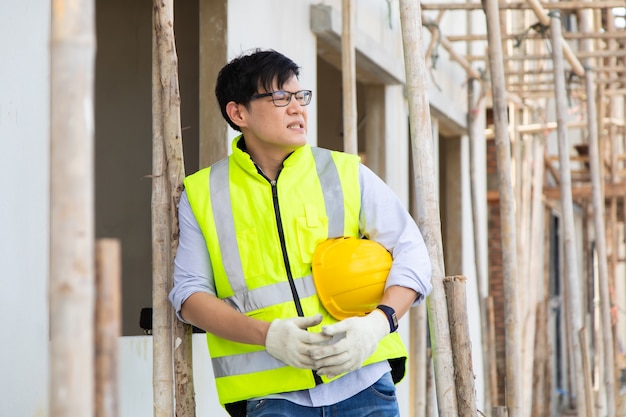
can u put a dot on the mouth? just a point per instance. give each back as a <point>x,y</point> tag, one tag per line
<point>296,125</point>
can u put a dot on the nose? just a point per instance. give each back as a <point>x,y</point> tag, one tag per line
<point>294,106</point>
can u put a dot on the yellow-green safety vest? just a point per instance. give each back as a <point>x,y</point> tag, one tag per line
<point>261,235</point>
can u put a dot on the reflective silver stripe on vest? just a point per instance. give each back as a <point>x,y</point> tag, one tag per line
<point>225,226</point>
<point>271,295</point>
<point>331,187</point>
<point>245,300</point>
<point>245,363</point>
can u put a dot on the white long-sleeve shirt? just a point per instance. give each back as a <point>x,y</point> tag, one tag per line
<point>383,219</point>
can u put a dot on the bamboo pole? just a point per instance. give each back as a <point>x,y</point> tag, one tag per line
<point>348,74</point>
<point>538,37</point>
<point>524,5</point>
<point>427,203</point>
<point>573,298</point>
<point>459,337</point>
<point>71,280</point>
<point>476,129</point>
<point>566,51</point>
<point>171,333</point>
<point>598,222</point>
<point>616,111</point>
<point>535,272</point>
<point>507,213</point>
<point>107,325</point>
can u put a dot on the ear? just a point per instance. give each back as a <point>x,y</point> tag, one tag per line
<point>237,113</point>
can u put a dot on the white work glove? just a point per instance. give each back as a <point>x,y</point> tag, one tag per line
<point>289,341</point>
<point>358,339</point>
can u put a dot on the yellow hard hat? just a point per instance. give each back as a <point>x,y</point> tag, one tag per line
<point>350,275</point>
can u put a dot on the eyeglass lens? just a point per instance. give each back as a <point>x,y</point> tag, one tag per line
<point>282,98</point>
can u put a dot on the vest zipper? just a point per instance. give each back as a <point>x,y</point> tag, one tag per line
<point>283,246</point>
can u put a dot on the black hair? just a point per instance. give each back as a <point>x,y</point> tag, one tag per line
<point>242,77</point>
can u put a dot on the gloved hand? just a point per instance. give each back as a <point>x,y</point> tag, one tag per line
<point>289,341</point>
<point>362,335</point>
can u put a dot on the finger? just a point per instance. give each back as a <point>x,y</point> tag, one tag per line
<point>335,369</point>
<point>306,322</point>
<point>316,338</point>
<point>337,328</point>
<point>305,362</point>
<point>329,351</point>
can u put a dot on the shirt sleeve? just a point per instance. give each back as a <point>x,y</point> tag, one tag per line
<point>192,264</point>
<point>385,220</point>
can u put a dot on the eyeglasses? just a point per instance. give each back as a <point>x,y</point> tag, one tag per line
<point>283,98</point>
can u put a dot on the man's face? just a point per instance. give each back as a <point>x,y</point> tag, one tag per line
<point>270,128</point>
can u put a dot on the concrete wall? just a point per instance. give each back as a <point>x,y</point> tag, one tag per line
<point>124,134</point>
<point>24,181</point>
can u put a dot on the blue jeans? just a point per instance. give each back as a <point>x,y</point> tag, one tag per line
<point>379,400</point>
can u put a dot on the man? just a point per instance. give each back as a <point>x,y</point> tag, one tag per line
<point>249,225</point>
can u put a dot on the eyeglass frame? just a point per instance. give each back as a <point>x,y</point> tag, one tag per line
<point>271,94</point>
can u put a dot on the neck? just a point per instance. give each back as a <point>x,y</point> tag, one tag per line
<point>270,160</point>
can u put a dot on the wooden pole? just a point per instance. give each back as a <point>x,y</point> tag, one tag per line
<point>459,337</point>
<point>582,335</point>
<point>574,300</point>
<point>418,361</point>
<point>427,203</point>
<point>348,74</point>
<point>71,280</point>
<point>107,325</point>
<point>162,365</point>
<point>492,359</point>
<point>598,214</point>
<point>476,129</point>
<point>419,358</point>
<point>168,158</point>
<point>507,212</point>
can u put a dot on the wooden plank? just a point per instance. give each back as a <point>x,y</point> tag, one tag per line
<point>583,191</point>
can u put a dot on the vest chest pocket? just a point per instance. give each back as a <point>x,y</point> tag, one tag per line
<point>311,229</point>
